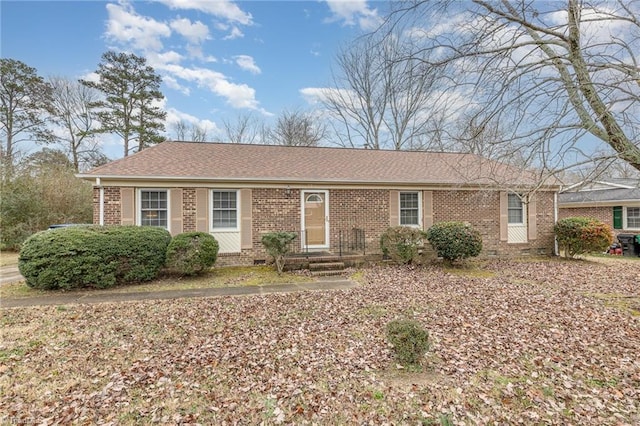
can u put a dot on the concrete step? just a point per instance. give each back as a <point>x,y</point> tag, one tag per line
<point>326,273</point>
<point>326,266</point>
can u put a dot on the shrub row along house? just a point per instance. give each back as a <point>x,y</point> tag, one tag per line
<point>337,200</point>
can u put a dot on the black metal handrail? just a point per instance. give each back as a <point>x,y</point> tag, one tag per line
<point>343,241</point>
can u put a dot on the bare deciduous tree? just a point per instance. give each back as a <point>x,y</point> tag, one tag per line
<point>563,78</point>
<point>297,128</point>
<point>247,128</point>
<point>190,132</point>
<point>381,97</point>
<point>72,111</point>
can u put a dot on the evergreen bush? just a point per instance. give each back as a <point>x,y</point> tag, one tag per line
<point>191,253</point>
<point>579,235</point>
<point>92,256</point>
<point>402,244</point>
<point>278,244</point>
<point>410,341</point>
<point>454,240</point>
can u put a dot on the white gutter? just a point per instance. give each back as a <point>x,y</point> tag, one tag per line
<point>101,208</point>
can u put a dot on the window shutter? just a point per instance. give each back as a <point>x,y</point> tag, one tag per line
<point>175,200</point>
<point>427,209</point>
<point>617,217</point>
<point>532,226</point>
<point>246,224</point>
<point>202,210</point>
<point>394,208</point>
<point>504,216</point>
<point>127,206</point>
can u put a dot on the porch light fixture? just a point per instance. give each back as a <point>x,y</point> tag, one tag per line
<point>287,191</point>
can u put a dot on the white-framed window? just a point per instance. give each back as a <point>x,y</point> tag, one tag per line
<point>632,218</point>
<point>515,210</point>
<point>154,208</point>
<point>410,208</point>
<point>224,210</point>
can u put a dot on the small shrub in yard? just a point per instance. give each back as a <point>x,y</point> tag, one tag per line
<point>454,240</point>
<point>278,245</point>
<point>579,235</point>
<point>191,253</point>
<point>402,244</point>
<point>93,256</point>
<point>409,339</point>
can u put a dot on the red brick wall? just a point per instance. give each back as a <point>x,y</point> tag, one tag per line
<point>274,210</point>
<point>111,205</point>
<point>188,209</point>
<point>603,214</point>
<point>482,210</point>
<point>368,209</point>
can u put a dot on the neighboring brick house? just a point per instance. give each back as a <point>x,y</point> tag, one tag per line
<point>337,200</point>
<point>615,202</point>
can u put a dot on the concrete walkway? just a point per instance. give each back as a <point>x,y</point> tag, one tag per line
<point>86,297</point>
<point>9,274</point>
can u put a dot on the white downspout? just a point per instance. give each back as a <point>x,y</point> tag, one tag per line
<point>101,208</point>
<point>556,250</point>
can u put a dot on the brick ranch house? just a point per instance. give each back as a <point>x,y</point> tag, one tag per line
<point>336,199</point>
<point>615,202</point>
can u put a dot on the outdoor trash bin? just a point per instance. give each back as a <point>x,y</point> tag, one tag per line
<point>627,243</point>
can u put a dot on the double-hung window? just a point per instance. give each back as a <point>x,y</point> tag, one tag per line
<point>409,209</point>
<point>515,210</point>
<point>153,207</point>
<point>225,210</point>
<point>633,218</point>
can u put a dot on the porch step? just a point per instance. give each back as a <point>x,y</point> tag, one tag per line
<point>314,266</point>
<point>326,268</point>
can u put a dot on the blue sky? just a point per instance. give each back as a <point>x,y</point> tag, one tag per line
<point>218,58</point>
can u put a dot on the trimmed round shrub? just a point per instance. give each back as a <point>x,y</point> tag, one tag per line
<point>402,244</point>
<point>92,256</point>
<point>191,253</point>
<point>455,240</point>
<point>410,341</point>
<point>278,244</point>
<point>579,235</point>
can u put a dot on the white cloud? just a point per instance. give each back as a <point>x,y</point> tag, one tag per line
<point>237,95</point>
<point>247,63</point>
<point>156,59</point>
<point>352,12</point>
<point>172,83</point>
<point>223,9</point>
<point>175,116</point>
<point>234,34</point>
<point>194,32</point>
<point>127,27</point>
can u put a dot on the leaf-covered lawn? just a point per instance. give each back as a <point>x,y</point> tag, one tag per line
<point>546,342</point>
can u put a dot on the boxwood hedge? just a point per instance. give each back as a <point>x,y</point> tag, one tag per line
<point>92,256</point>
<point>191,253</point>
<point>455,240</point>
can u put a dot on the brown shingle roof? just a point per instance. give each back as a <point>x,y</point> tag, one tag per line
<point>264,163</point>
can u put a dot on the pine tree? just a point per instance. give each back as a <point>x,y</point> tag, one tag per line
<point>131,89</point>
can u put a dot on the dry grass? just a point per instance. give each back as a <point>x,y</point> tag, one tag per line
<point>8,258</point>
<point>218,277</point>
<point>536,343</point>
